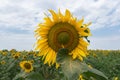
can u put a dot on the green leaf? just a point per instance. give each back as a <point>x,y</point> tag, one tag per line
<point>34,76</point>
<point>22,74</point>
<point>73,68</point>
<point>11,64</point>
<point>96,74</point>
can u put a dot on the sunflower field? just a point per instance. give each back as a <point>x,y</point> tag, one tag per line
<point>60,53</point>
<point>26,65</point>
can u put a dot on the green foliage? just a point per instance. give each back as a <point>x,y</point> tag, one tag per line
<point>94,74</point>
<point>11,70</point>
<point>73,68</point>
<point>107,61</point>
<point>34,76</point>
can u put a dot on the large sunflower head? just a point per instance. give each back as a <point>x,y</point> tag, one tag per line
<point>26,66</point>
<point>61,31</point>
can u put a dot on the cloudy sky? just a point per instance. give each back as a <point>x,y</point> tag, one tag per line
<point>18,19</point>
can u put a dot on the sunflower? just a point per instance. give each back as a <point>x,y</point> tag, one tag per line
<point>26,65</point>
<point>2,62</point>
<point>16,55</point>
<point>4,53</point>
<point>61,31</point>
<point>81,77</point>
<point>24,57</point>
<point>0,51</point>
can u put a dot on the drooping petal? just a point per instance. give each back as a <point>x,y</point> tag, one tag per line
<point>45,53</point>
<point>79,57</point>
<point>54,58</point>
<point>81,53</point>
<point>83,43</point>
<point>48,57</point>
<point>74,54</point>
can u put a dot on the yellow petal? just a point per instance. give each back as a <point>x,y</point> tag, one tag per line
<point>42,41</point>
<point>57,65</point>
<point>54,58</point>
<point>43,32</point>
<point>48,57</point>
<point>81,53</point>
<point>60,15</point>
<point>82,31</point>
<point>83,43</point>
<point>48,21</point>
<point>82,48</point>
<point>67,15</point>
<point>45,28</point>
<point>73,21</point>
<point>74,54</point>
<point>79,57</point>
<point>80,22</point>
<point>39,46</point>
<point>86,25</point>
<point>45,53</point>
<point>54,15</point>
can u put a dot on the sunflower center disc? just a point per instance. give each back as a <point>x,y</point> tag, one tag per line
<point>16,57</point>
<point>27,65</point>
<point>63,38</point>
<point>63,34</point>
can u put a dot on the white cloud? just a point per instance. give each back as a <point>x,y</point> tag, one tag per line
<point>21,14</point>
<point>102,13</point>
<point>26,14</point>
<point>18,13</point>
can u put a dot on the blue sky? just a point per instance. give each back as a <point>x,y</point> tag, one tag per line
<point>18,19</point>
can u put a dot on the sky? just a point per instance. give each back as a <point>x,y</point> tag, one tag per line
<point>19,18</point>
